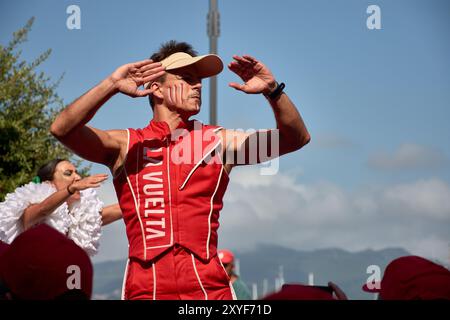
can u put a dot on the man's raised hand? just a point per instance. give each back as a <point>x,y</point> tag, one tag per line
<point>256,76</point>
<point>129,77</point>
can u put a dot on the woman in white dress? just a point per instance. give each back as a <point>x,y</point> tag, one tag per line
<point>59,197</point>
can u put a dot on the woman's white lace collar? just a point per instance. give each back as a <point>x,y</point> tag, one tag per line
<point>82,223</point>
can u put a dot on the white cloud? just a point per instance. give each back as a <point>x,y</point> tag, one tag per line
<point>425,197</point>
<point>277,209</point>
<point>409,156</point>
<point>433,247</point>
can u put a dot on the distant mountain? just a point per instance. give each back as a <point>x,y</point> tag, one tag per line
<point>262,267</point>
<point>347,269</point>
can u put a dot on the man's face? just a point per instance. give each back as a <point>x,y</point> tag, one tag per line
<point>182,90</point>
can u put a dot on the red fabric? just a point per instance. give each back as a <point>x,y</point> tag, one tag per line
<point>172,276</point>
<point>3,247</point>
<point>300,292</point>
<point>159,208</point>
<point>37,265</point>
<point>226,256</point>
<point>413,278</point>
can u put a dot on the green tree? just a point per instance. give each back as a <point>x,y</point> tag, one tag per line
<point>28,105</point>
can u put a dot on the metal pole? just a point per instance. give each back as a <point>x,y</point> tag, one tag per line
<point>213,28</point>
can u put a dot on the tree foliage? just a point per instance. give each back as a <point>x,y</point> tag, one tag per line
<point>28,105</point>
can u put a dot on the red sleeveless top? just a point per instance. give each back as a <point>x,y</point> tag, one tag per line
<point>170,189</point>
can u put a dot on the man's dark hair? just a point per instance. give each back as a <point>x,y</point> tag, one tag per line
<point>46,172</point>
<point>168,48</point>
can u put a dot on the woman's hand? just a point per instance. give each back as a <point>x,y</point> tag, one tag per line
<point>93,181</point>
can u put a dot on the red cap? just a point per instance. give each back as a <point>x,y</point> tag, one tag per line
<point>301,292</point>
<point>413,278</point>
<point>3,247</point>
<point>42,264</point>
<point>226,256</point>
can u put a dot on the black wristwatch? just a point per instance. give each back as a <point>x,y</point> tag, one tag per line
<point>277,92</point>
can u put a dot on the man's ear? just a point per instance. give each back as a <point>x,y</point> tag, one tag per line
<point>157,90</point>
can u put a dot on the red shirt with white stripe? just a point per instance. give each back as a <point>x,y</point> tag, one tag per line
<point>170,189</point>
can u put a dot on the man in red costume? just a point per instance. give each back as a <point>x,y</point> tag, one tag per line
<point>170,177</point>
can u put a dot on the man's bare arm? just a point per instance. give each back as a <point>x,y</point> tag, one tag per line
<point>94,144</point>
<point>70,127</point>
<point>291,131</point>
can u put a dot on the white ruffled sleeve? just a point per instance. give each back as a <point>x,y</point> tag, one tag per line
<point>12,209</point>
<point>85,229</point>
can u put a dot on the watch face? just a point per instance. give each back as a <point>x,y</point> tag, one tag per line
<point>277,91</point>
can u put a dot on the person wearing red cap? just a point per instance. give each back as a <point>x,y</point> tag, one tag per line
<point>43,264</point>
<point>298,291</point>
<point>301,292</point>
<point>4,291</point>
<point>170,177</point>
<point>240,288</point>
<point>59,197</point>
<point>3,247</point>
<point>412,278</point>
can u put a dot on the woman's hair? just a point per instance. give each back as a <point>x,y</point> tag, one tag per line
<point>46,172</point>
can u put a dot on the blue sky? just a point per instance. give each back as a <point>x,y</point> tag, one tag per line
<point>376,103</point>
